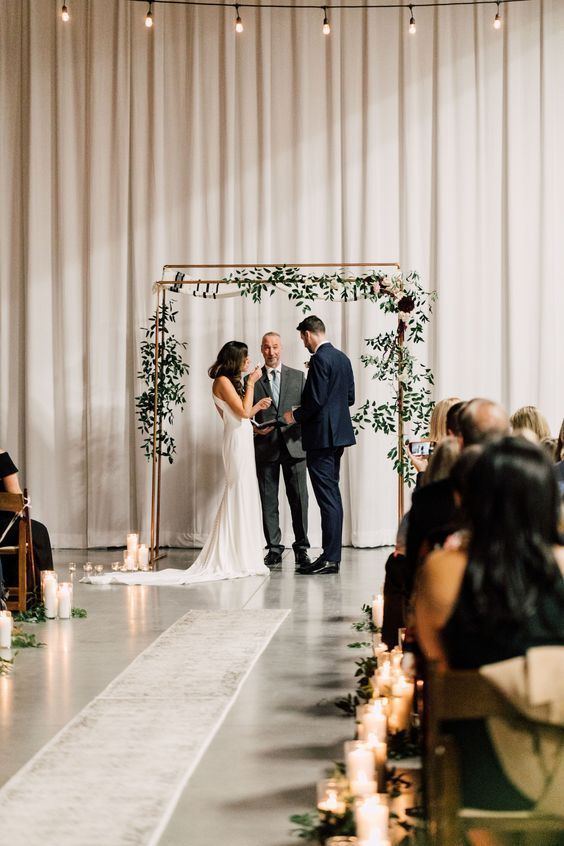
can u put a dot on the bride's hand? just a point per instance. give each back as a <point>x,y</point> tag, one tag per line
<point>263,403</point>
<point>255,374</point>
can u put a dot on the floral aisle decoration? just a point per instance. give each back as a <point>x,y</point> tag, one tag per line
<point>389,356</point>
<point>365,790</point>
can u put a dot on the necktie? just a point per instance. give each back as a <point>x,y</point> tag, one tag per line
<point>275,387</point>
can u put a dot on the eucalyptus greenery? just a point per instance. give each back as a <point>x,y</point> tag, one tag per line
<point>389,356</point>
<point>172,393</point>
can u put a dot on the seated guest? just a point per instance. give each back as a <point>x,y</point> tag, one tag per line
<point>41,543</point>
<point>395,611</point>
<point>499,595</point>
<point>437,431</point>
<point>529,417</point>
<point>433,506</point>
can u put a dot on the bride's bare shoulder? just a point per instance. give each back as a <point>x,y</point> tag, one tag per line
<point>221,386</point>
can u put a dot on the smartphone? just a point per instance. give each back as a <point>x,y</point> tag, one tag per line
<point>424,448</point>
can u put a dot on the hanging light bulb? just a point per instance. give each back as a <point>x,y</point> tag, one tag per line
<point>497,19</point>
<point>149,17</point>
<point>238,22</point>
<point>412,27</point>
<point>326,26</point>
<point>65,13</point>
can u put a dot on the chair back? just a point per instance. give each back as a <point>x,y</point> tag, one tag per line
<point>463,695</point>
<point>25,591</point>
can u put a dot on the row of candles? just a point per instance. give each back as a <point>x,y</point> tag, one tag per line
<point>389,711</point>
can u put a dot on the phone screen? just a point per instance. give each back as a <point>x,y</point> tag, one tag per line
<point>421,447</point>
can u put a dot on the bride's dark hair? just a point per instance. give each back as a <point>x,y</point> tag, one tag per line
<point>229,362</point>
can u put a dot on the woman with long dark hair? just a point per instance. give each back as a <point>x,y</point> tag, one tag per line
<point>500,596</point>
<point>234,547</point>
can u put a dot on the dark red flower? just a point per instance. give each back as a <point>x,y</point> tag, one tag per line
<point>406,304</point>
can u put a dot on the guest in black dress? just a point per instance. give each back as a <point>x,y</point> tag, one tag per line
<point>500,596</point>
<point>41,543</point>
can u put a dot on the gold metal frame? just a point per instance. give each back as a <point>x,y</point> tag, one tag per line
<point>161,286</point>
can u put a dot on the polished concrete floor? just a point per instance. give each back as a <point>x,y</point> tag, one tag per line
<point>280,734</point>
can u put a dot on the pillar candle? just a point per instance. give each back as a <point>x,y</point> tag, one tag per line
<point>378,610</point>
<point>64,596</point>
<point>402,702</point>
<point>50,594</point>
<point>6,624</point>
<point>132,542</point>
<point>143,557</point>
<point>372,818</point>
<point>358,759</point>
<point>130,563</point>
<point>374,722</point>
<point>363,786</point>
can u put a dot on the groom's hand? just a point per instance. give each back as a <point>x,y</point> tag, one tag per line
<point>288,417</point>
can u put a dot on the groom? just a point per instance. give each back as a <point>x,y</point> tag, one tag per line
<point>326,431</point>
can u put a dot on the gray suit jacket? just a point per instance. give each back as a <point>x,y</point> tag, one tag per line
<point>267,447</point>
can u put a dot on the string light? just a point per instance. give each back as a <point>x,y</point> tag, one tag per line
<point>412,27</point>
<point>238,22</point>
<point>497,19</point>
<point>149,17</point>
<point>326,26</point>
<point>65,13</point>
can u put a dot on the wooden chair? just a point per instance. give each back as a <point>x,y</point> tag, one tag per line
<point>465,695</point>
<point>25,589</point>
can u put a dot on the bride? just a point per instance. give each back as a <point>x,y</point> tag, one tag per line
<point>234,547</point>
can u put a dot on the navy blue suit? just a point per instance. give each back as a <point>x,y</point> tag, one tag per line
<point>326,430</point>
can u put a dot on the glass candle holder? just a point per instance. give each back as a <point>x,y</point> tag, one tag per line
<point>64,601</point>
<point>331,796</point>
<point>98,569</point>
<point>372,818</point>
<point>116,565</point>
<point>72,567</point>
<point>6,626</point>
<point>49,592</point>
<point>87,568</point>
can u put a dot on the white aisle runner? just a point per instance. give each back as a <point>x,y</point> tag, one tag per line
<point>114,774</point>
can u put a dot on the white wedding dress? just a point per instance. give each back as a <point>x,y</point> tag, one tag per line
<point>235,546</point>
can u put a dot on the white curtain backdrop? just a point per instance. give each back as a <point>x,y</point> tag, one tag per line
<point>123,149</point>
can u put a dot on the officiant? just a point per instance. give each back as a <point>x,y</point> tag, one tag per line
<point>279,445</point>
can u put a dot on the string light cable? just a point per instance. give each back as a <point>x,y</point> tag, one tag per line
<point>424,4</point>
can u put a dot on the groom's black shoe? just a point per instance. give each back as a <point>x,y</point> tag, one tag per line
<point>272,558</point>
<point>320,567</point>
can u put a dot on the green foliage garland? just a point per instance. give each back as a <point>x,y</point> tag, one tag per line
<point>172,392</point>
